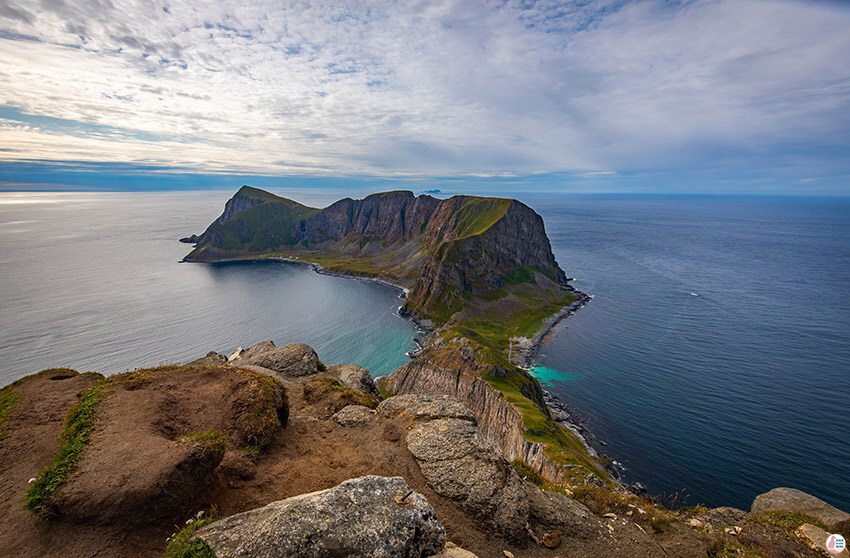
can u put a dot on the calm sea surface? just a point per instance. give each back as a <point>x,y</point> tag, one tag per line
<point>93,282</point>
<point>714,358</point>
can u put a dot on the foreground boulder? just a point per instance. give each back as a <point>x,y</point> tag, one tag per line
<point>459,464</point>
<point>798,501</point>
<point>295,359</point>
<point>370,517</point>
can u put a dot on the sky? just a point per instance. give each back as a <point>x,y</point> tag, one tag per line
<point>705,96</point>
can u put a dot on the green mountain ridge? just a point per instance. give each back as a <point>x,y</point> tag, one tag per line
<point>452,254</point>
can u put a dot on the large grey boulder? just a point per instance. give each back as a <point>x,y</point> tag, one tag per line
<point>369,517</point>
<point>460,464</point>
<point>427,407</point>
<point>798,501</point>
<point>354,377</point>
<point>295,359</point>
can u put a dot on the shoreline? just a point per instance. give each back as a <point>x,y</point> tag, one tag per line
<point>565,416</point>
<point>322,270</point>
<point>526,354</point>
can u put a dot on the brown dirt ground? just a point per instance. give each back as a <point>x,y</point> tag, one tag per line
<point>311,453</point>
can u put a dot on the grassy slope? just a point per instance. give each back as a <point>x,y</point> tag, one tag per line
<point>257,229</point>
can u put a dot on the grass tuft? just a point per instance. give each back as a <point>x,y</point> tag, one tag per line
<point>209,439</point>
<point>8,401</point>
<point>527,473</point>
<point>79,425</point>
<point>181,547</point>
<point>724,548</point>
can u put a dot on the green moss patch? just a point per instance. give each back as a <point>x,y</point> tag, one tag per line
<point>213,440</point>
<point>263,410</point>
<point>181,547</point>
<point>476,215</point>
<point>76,433</point>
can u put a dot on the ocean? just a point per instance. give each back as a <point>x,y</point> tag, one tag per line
<point>714,359</point>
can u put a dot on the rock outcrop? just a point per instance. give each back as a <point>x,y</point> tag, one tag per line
<point>294,359</point>
<point>157,434</point>
<point>798,501</point>
<point>369,516</point>
<point>427,407</point>
<point>459,464</point>
<point>456,373</point>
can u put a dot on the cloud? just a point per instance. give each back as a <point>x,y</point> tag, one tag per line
<point>427,87</point>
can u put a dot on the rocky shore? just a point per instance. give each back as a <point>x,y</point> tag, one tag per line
<point>527,350</point>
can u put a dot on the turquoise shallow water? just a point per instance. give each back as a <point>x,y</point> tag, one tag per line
<point>93,282</point>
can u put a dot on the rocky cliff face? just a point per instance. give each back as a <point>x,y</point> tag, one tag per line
<point>456,372</point>
<point>479,263</point>
<point>391,217</point>
<point>443,249</point>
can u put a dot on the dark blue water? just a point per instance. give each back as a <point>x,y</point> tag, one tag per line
<point>715,356</point>
<point>93,282</point>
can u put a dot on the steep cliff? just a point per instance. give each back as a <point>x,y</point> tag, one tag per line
<point>508,405</point>
<point>453,253</point>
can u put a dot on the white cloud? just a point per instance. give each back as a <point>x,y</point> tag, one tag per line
<point>442,87</point>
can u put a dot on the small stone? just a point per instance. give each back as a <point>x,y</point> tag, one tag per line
<point>610,515</point>
<point>236,354</point>
<point>734,531</point>
<point>508,554</point>
<point>552,540</point>
<point>696,523</point>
